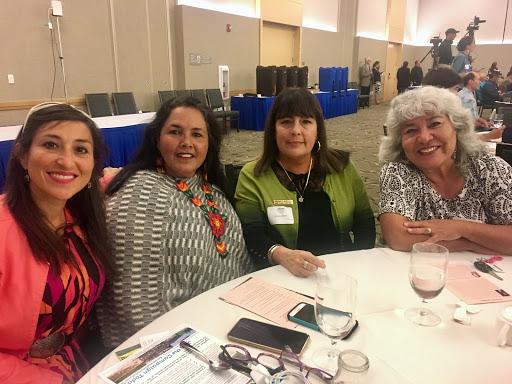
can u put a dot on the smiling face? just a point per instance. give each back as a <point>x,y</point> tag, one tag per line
<point>295,138</point>
<point>183,142</point>
<point>429,142</point>
<point>59,161</point>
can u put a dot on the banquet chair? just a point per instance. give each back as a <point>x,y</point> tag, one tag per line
<point>504,150</point>
<point>217,104</point>
<point>200,94</point>
<point>124,103</point>
<point>232,171</point>
<point>183,92</point>
<point>164,96</point>
<point>98,104</point>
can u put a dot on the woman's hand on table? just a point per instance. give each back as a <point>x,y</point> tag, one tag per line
<point>438,230</point>
<point>300,263</point>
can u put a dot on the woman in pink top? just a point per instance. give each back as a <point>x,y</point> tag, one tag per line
<point>54,248</point>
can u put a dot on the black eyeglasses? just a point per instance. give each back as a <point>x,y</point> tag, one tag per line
<point>239,357</point>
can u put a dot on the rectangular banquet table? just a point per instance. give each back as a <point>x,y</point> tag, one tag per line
<point>399,351</point>
<point>122,135</point>
<point>254,110</point>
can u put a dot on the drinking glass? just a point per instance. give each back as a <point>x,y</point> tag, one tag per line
<point>427,275</point>
<point>335,305</point>
<point>497,121</point>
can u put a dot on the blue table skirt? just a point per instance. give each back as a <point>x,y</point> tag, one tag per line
<point>122,142</point>
<point>254,110</point>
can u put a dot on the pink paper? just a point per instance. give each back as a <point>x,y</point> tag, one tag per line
<point>266,300</point>
<point>471,287</point>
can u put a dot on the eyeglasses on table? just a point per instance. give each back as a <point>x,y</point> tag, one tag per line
<point>240,358</point>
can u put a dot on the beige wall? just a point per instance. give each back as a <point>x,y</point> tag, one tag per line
<point>204,33</point>
<point>330,49</point>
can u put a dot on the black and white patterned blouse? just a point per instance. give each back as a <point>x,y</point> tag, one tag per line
<point>486,196</point>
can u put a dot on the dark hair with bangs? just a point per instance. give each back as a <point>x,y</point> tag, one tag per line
<point>442,77</point>
<point>148,152</point>
<point>86,206</point>
<point>299,102</point>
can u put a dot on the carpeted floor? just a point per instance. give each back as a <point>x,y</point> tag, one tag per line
<point>358,133</point>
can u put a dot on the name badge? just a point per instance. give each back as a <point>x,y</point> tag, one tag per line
<point>282,202</point>
<point>280,215</point>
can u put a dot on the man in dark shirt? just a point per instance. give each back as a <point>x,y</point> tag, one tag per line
<point>416,74</point>
<point>445,48</point>
<point>489,90</point>
<point>403,76</point>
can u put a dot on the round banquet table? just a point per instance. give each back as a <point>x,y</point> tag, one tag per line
<point>399,351</point>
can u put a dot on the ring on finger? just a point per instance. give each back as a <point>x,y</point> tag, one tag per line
<point>305,264</point>
<point>429,230</point>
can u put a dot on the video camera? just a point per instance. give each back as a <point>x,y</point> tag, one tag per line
<point>436,40</point>
<point>474,25</point>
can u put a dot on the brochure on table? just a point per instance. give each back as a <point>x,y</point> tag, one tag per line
<point>164,361</point>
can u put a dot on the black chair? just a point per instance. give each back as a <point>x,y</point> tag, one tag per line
<point>281,78</point>
<point>98,104</point>
<point>504,150</point>
<point>200,94</point>
<point>217,104</point>
<point>124,103</point>
<point>232,172</point>
<point>266,78</point>
<point>183,92</point>
<point>292,76</point>
<point>303,77</point>
<point>166,96</point>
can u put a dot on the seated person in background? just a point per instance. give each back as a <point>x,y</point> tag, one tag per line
<point>175,234</point>
<point>494,68</point>
<point>506,85</point>
<point>471,83</point>
<point>438,184</point>
<point>445,77</point>
<point>54,245</point>
<point>489,90</point>
<point>462,62</point>
<point>301,198</point>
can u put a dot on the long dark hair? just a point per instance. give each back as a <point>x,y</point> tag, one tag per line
<point>299,102</point>
<point>148,153</point>
<point>86,206</point>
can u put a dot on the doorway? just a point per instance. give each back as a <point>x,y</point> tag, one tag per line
<point>280,44</point>
<point>393,62</point>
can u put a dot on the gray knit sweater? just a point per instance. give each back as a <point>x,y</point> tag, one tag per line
<point>164,252</point>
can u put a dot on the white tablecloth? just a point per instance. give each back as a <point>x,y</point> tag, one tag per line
<point>399,351</point>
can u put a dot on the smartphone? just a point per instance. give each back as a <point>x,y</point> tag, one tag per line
<point>267,336</point>
<point>304,314</point>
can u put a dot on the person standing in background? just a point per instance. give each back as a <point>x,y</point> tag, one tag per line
<point>416,74</point>
<point>403,76</point>
<point>445,48</point>
<point>365,79</point>
<point>377,81</point>
<point>462,62</point>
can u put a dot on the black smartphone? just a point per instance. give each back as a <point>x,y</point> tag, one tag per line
<point>304,314</point>
<point>267,336</point>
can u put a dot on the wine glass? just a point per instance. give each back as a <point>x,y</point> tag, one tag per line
<point>427,275</point>
<point>497,121</point>
<point>335,304</point>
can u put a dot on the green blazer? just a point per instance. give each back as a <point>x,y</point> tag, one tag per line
<point>350,207</point>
